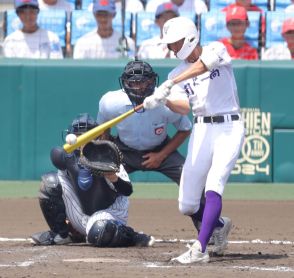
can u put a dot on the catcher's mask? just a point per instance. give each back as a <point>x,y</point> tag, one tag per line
<point>81,124</point>
<point>138,81</point>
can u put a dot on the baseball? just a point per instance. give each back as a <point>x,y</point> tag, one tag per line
<point>71,139</point>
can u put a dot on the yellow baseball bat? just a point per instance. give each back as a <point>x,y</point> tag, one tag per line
<point>98,130</point>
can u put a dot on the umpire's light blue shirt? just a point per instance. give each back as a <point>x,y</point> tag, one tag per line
<point>140,131</point>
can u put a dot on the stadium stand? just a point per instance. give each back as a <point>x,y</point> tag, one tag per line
<point>54,21</point>
<point>213,28</point>
<point>83,22</point>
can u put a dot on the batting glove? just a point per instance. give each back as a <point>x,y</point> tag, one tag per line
<point>159,96</point>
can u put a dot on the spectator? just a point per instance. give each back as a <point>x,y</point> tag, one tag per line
<point>132,6</point>
<point>31,41</point>
<point>237,23</point>
<point>283,51</point>
<point>290,8</point>
<point>153,48</point>
<point>103,42</point>
<point>198,6</point>
<point>250,8</point>
<point>60,5</point>
<point>56,5</point>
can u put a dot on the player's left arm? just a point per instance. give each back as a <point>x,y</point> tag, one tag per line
<point>120,181</point>
<point>212,55</point>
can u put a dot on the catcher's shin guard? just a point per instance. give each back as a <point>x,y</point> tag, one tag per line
<point>52,205</point>
<point>110,233</point>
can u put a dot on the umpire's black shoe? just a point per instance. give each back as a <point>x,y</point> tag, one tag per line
<point>143,240</point>
<point>50,238</point>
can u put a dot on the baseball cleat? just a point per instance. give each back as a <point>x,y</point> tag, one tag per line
<point>50,238</point>
<point>59,240</point>
<point>193,255</point>
<point>220,236</point>
<point>143,240</point>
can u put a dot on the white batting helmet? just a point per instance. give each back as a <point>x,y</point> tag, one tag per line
<point>179,28</point>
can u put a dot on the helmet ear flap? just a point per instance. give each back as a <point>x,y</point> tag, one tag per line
<point>188,46</point>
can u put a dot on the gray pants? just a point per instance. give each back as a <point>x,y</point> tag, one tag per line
<point>170,167</point>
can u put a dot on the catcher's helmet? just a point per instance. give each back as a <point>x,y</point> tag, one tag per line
<point>82,123</point>
<point>138,81</point>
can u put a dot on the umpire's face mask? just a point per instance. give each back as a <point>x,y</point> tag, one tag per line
<point>138,90</point>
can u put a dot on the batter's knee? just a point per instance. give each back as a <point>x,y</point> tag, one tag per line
<point>188,209</point>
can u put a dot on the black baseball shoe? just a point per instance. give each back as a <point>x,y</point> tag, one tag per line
<point>50,238</point>
<point>143,240</point>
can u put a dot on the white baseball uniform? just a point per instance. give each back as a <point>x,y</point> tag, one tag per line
<point>92,46</point>
<point>277,52</point>
<point>213,147</point>
<point>41,44</point>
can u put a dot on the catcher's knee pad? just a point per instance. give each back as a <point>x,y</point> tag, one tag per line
<point>110,233</point>
<point>50,186</point>
<point>51,203</point>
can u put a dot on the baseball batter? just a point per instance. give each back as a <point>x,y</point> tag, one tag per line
<point>207,79</point>
<point>96,206</point>
<point>143,137</point>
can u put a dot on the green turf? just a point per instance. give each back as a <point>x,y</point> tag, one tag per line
<point>233,191</point>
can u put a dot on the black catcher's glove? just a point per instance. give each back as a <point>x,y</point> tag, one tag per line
<point>100,157</point>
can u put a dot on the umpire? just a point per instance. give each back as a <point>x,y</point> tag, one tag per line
<point>142,137</point>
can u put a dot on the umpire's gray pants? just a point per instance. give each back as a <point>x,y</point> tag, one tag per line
<point>170,167</point>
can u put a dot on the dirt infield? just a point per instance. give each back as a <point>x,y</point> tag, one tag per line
<point>267,221</point>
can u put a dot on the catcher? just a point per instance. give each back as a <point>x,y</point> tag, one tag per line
<point>87,199</point>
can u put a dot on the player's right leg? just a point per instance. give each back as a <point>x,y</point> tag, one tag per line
<point>108,228</point>
<point>53,209</point>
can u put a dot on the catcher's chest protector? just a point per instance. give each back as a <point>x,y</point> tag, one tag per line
<point>99,196</point>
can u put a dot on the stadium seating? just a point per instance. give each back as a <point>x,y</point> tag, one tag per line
<point>52,20</point>
<point>146,27</point>
<point>213,27</point>
<point>220,4</point>
<point>83,22</point>
<point>274,22</point>
<point>280,5</point>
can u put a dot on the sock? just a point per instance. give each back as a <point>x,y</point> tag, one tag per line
<point>212,211</point>
<point>197,217</point>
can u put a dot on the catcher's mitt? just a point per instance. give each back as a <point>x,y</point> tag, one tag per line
<point>101,156</point>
